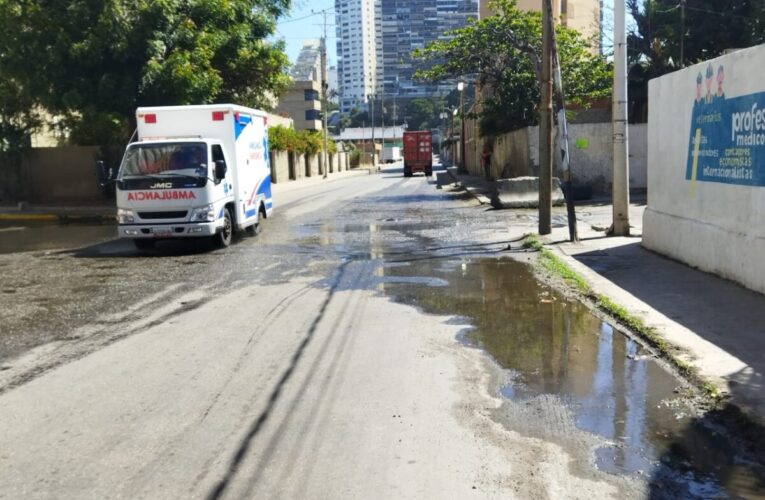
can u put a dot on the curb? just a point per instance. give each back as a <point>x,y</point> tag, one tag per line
<point>60,218</point>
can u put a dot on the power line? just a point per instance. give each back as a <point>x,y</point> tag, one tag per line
<point>655,10</point>
<point>724,14</point>
<point>307,16</point>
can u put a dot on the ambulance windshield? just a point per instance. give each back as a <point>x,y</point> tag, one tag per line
<point>166,158</point>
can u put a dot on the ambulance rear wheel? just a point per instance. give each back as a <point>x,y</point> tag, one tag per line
<point>223,238</point>
<point>144,243</point>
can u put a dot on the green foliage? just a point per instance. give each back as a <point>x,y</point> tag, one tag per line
<point>94,62</point>
<point>711,27</point>
<point>18,117</point>
<point>423,113</point>
<point>310,142</point>
<point>500,50</point>
<point>358,118</point>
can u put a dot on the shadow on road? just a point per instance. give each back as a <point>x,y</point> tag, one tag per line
<point>716,457</point>
<point>163,248</point>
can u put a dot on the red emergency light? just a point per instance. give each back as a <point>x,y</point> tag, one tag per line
<point>150,118</point>
<point>217,116</point>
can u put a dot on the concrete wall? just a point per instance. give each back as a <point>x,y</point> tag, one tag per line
<point>696,215</point>
<point>516,154</point>
<point>280,166</point>
<point>65,175</point>
<point>312,165</point>
<point>510,157</point>
<point>591,151</point>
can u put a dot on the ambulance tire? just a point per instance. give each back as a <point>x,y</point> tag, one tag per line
<point>144,243</point>
<point>223,238</point>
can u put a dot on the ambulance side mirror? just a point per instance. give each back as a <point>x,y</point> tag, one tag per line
<point>220,170</point>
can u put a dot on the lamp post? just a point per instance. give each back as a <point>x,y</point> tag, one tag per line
<point>461,88</point>
<point>442,116</point>
<point>371,99</point>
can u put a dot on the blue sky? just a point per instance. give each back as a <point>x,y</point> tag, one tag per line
<point>304,22</point>
<point>301,25</point>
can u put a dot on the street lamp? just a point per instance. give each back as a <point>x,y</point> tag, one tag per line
<point>371,100</point>
<point>461,88</point>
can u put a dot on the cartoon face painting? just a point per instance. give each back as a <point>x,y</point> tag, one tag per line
<point>720,79</point>
<point>710,77</point>
<point>699,81</point>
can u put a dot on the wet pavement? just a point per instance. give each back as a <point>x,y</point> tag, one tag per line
<point>607,383</point>
<point>25,236</point>
<point>567,376</point>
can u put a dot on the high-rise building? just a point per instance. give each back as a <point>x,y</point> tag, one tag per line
<point>359,58</point>
<point>581,15</point>
<point>413,24</point>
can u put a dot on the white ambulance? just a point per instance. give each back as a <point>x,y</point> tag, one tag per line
<point>195,171</point>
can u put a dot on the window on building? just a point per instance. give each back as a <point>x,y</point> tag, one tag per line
<point>312,114</point>
<point>311,94</point>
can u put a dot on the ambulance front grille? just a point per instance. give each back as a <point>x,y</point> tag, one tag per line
<point>163,215</point>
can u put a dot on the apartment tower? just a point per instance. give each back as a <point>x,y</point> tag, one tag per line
<point>359,55</point>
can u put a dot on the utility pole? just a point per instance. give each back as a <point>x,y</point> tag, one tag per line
<point>682,33</point>
<point>565,158</point>
<point>324,90</point>
<point>372,119</point>
<point>545,124</point>
<point>621,192</point>
<point>382,110</point>
<point>463,162</point>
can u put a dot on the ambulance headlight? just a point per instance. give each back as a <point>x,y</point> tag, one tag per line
<point>125,216</point>
<point>203,214</point>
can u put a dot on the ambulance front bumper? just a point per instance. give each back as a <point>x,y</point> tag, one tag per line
<point>187,230</point>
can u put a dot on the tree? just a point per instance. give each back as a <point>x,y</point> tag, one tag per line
<point>423,113</point>
<point>358,118</point>
<point>711,27</point>
<point>503,51</point>
<point>93,63</point>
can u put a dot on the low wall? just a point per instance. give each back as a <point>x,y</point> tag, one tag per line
<point>706,175</point>
<point>516,154</point>
<point>312,165</point>
<point>65,175</point>
<point>280,166</point>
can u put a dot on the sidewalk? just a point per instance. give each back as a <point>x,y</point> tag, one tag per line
<point>718,325</point>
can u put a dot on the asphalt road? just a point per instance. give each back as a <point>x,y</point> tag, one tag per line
<point>286,366</point>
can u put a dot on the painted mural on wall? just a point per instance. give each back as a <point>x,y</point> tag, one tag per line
<point>727,139</point>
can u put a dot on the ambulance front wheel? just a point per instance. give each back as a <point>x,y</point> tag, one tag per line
<point>223,237</point>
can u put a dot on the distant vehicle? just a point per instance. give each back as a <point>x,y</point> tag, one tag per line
<point>195,171</point>
<point>418,153</point>
<point>390,154</point>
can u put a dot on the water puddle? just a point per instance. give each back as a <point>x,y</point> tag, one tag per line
<point>609,385</point>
